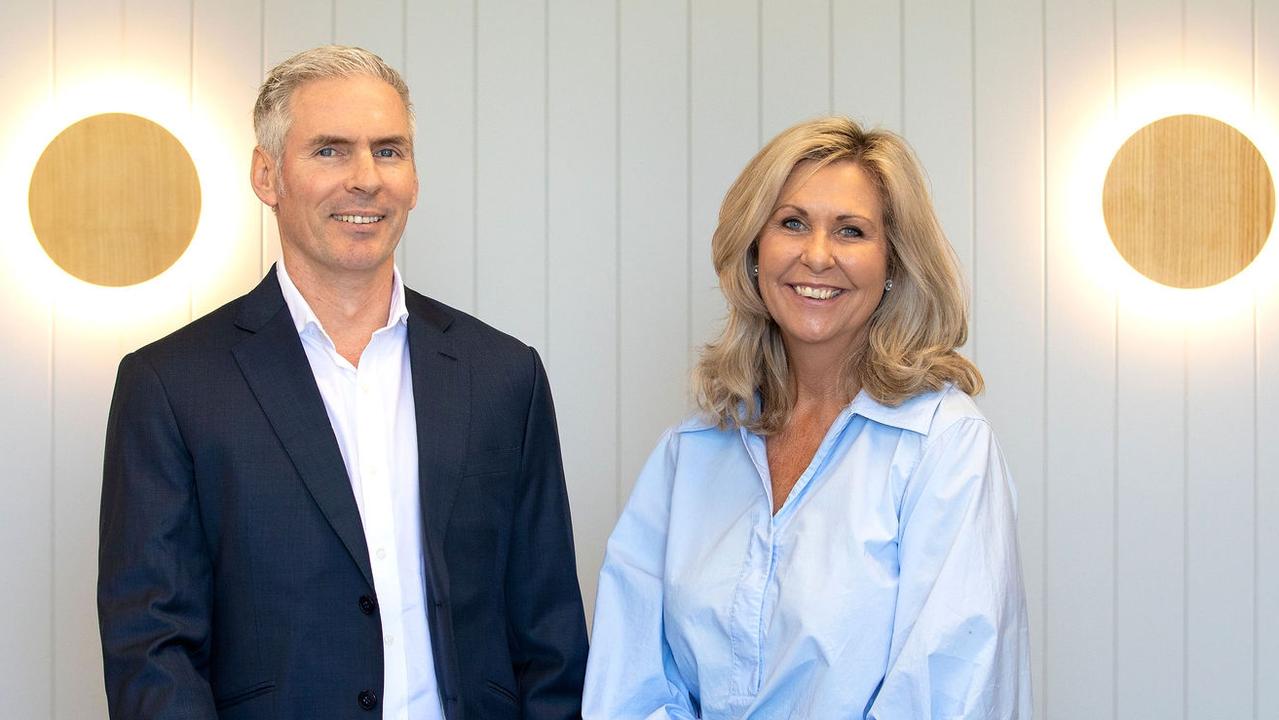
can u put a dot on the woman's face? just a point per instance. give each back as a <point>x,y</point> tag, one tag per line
<point>823,257</point>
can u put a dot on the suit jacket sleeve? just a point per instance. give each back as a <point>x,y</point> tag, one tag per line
<point>154,567</point>
<point>546,623</point>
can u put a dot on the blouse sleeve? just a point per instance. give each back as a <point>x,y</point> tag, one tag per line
<point>630,674</point>
<point>960,645</point>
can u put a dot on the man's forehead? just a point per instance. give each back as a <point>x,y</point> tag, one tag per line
<point>345,89</point>
<point>352,107</point>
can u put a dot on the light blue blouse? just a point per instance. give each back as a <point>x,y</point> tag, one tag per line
<point>888,585</point>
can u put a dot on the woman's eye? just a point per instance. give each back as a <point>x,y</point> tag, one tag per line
<point>793,224</point>
<point>851,231</point>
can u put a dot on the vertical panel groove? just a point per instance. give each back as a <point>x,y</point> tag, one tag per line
<point>191,55</point>
<point>546,178</point>
<point>475,156</point>
<point>402,250</point>
<point>1114,474</point>
<point>830,56</point>
<point>1252,59</point>
<point>1043,304</point>
<point>759,69</point>
<point>1256,421</point>
<point>901,50</point>
<point>191,107</point>
<point>972,176</point>
<point>1114,509</point>
<point>688,181</point>
<point>53,419</point>
<point>1185,522</point>
<point>53,534</point>
<point>617,250</point>
<point>1256,477</point>
<point>53,50</point>
<point>1183,34</point>
<point>261,72</point>
<point>53,515</point>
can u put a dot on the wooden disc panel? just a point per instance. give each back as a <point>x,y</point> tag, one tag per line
<point>1188,201</point>
<point>114,199</point>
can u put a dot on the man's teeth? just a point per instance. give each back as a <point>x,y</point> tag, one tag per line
<point>359,219</point>
<point>816,293</point>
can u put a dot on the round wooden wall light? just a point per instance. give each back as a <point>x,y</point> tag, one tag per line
<point>1188,201</point>
<point>114,199</point>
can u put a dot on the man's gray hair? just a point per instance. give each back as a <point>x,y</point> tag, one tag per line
<point>272,114</point>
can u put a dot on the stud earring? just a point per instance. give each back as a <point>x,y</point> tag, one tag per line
<point>755,270</point>
<point>888,285</point>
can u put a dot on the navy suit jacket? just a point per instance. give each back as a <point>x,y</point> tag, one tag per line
<point>234,579</point>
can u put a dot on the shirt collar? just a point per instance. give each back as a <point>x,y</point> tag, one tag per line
<point>304,316</point>
<point>914,413</point>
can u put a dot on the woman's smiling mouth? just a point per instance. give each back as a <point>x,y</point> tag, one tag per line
<point>816,293</point>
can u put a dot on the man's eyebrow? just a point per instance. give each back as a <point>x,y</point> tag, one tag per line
<point>392,140</point>
<point>321,140</point>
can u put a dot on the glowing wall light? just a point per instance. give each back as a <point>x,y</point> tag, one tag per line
<point>1100,131</point>
<point>114,199</point>
<point>213,135</point>
<point>1188,201</point>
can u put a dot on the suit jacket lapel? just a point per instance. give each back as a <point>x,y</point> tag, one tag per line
<point>278,373</point>
<point>441,400</point>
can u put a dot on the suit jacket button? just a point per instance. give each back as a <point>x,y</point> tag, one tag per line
<point>367,604</point>
<point>368,699</point>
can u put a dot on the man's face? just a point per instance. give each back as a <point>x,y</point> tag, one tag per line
<point>346,182</point>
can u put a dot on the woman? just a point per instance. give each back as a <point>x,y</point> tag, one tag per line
<point>834,535</point>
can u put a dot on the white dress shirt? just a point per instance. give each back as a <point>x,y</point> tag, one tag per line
<point>371,410</point>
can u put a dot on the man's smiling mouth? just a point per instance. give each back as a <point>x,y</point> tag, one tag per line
<point>358,219</point>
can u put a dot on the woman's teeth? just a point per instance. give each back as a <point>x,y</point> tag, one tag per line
<point>816,293</point>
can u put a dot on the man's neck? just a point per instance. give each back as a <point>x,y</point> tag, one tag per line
<point>350,306</point>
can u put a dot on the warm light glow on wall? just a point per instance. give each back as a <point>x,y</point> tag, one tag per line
<point>1087,176</point>
<point>114,199</point>
<point>1188,201</point>
<point>28,267</point>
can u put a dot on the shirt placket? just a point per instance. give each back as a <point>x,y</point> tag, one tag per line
<point>747,628</point>
<point>372,437</point>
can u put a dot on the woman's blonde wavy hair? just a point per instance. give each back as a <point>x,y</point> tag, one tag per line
<point>912,335</point>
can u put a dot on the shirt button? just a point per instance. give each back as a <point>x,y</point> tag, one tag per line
<point>367,699</point>
<point>364,388</point>
<point>390,640</point>
<point>381,553</point>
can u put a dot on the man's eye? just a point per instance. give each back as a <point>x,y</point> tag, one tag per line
<point>326,152</point>
<point>387,152</point>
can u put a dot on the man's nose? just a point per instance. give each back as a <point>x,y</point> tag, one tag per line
<point>365,176</point>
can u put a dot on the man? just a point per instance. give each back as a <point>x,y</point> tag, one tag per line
<point>334,497</point>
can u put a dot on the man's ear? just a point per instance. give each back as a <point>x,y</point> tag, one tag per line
<point>263,176</point>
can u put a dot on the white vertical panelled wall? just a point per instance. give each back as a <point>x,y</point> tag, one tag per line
<point>572,156</point>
